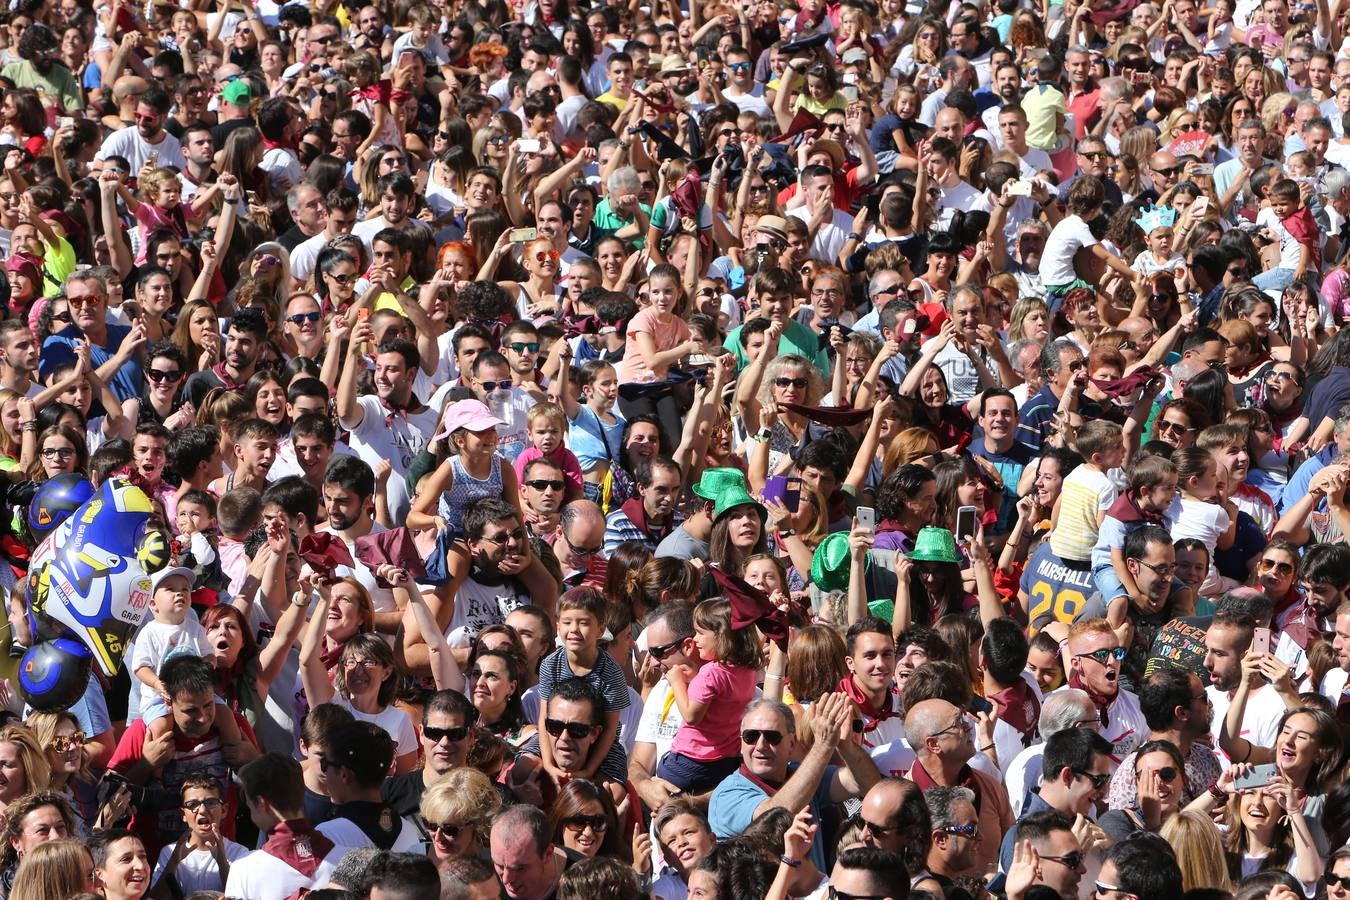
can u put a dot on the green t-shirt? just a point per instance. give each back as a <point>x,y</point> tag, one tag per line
<point>797,338</point>
<point>57,82</point>
<point>607,220</point>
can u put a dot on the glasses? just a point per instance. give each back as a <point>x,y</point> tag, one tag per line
<point>158,375</point>
<point>1068,860</point>
<point>1110,889</point>
<point>63,743</point>
<point>877,830</point>
<point>959,725</point>
<point>529,347</point>
<point>727,133</point>
<point>90,300</point>
<point>1103,654</point>
<point>971,831</point>
<point>1280,568</point>
<point>1238,272</point>
<point>575,730</point>
<point>546,256</point>
<point>1099,779</point>
<point>1341,881</point>
<point>1163,569</point>
<point>1166,172</point>
<point>739,67</point>
<point>1167,774</point>
<point>506,537</point>
<point>1168,425</point>
<point>445,829</point>
<point>500,140</point>
<point>302,318</point>
<point>1280,376</point>
<point>597,823</point>
<point>798,383</point>
<point>546,484</point>
<point>361,664</point>
<point>583,551</point>
<point>497,385</point>
<point>58,453</point>
<point>207,802</point>
<point>436,735</point>
<point>340,279</point>
<point>836,894</point>
<point>752,736</point>
<point>661,651</point>
<point>1095,155</point>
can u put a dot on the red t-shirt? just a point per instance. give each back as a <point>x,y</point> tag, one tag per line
<point>159,822</point>
<point>845,189</point>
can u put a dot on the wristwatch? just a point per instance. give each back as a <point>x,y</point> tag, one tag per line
<point>763,434</point>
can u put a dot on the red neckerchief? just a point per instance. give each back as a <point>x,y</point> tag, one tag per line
<point>872,717</point>
<point>767,787</point>
<point>279,145</point>
<point>637,514</point>
<point>1126,510</point>
<point>392,412</point>
<point>225,378</point>
<point>1303,227</point>
<point>1018,706</point>
<point>298,845</point>
<point>1244,371</point>
<point>1101,701</point>
<point>1303,627</point>
<point>329,658</point>
<point>965,778</point>
<point>382,91</point>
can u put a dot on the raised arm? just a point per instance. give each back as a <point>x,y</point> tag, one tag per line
<point>350,413</point>
<point>313,675</point>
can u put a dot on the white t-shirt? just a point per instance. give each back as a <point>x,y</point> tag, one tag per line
<point>283,169</point>
<point>1125,726</point>
<point>198,871</point>
<point>1200,520</point>
<point>831,236</point>
<point>1289,245</point>
<point>154,642</point>
<point>1333,683</point>
<point>306,255</point>
<point>367,230</point>
<point>1022,775</point>
<point>398,441</point>
<point>1260,720</point>
<point>392,719</point>
<point>660,719</point>
<point>261,876</point>
<point>1066,239</point>
<point>348,836</point>
<point>128,144</point>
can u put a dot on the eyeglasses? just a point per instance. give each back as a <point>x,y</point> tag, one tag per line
<point>360,664</point>
<point>971,831</point>
<point>302,318</point>
<point>1280,376</point>
<point>1166,172</point>
<point>752,736</point>
<point>661,651</point>
<point>546,484</point>
<point>58,452</point>
<point>1099,779</point>
<point>1280,568</point>
<point>878,830</point>
<point>1068,860</point>
<point>506,537</point>
<point>596,823</point>
<point>836,894</point>
<point>89,300</point>
<point>575,730</point>
<point>1110,889</point>
<point>582,551</point>
<point>445,829</point>
<point>798,383</point>
<point>1103,654</point>
<point>436,735</point>
<point>1341,881</point>
<point>960,724</point>
<point>63,743</point>
<point>207,802</point>
<point>1163,569</point>
<point>497,385</point>
<point>158,375</point>
<point>528,347</point>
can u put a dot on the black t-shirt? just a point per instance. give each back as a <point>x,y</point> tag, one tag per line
<point>1181,642</point>
<point>319,809</point>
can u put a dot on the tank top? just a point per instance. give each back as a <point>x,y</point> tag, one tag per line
<point>465,489</point>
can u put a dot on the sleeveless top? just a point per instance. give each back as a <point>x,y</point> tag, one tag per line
<point>465,489</point>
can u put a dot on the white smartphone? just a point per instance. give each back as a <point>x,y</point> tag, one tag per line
<point>1019,188</point>
<point>1199,205</point>
<point>965,522</point>
<point>867,518</point>
<point>1261,640</point>
<point>528,145</point>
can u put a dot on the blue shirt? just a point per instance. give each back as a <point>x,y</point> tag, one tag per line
<point>1298,482</point>
<point>733,806</point>
<point>1005,850</point>
<point>1009,466</point>
<point>59,349</point>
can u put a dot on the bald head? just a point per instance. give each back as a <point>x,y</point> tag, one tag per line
<point>128,87</point>
<point>884,806</point>
<point>926,719</point>
<point>1164,167</point>
<point>1185,370</point>
<point>951,124</point>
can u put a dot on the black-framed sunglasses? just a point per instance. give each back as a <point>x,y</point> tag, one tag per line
<point>1099,779</point>
<point>836,894</point>
<point>446,830</point>
<point>971,831</point>
<point>158,375</point>
<point>301,318</point>
<point>1068,860</point>
<point>752,736</point>
<point>1103,654</point>
<point>436,735</point>
<point>1343,881</point>
<point>576,730</point>
<point>204,802</point>
<point>661,651</point>
<point>596,823</point>
<point>544,484</point>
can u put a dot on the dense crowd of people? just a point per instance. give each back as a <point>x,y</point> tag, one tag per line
<point>766,449</point>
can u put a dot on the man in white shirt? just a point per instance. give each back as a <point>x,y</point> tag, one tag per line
<point>741,88</point>
<point>1226,642</point>
<point>1333,684</point>
<point>281,123</point>
<point>293,855</point>
<point>670,642</point>
<point>953,193</point>
<point>357,758</point>
<point>148,141</point>
<point>1095,658</point>
<point>397,192</point>
<point>1012,128</point>
<point>831,235</point>
<point>1323,576</point>
<point>342,205</point>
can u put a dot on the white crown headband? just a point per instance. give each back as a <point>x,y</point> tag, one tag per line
<point>1156,217</point>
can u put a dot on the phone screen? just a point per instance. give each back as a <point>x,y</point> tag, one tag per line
<point>965,522</point>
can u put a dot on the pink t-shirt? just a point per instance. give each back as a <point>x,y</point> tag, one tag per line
<point>571,466</point>
<point>726,690</point>
<point>667,335</point>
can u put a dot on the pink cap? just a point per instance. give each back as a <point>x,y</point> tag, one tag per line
<point>470,414</point>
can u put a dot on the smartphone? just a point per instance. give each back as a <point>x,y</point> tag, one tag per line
<point>911,326</point>
<point>521,235</point>
<point>527,145</point>
<point>65,121</point>
<point>867,518</point>
<point>1019,188</point>
<point>1261,640</point>
<point>252,197</point>
<point>850,93</point>
<point>1199,205</point>
<point>850,78</point>
<point>363,314</point>
<point>1202,169</point>
<point>965,522</point>
<point>1259,776</point>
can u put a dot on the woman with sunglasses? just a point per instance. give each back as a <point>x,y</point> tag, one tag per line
<point>60,735</point>
<point>583,820</point>
<point>538,294</point>
<point>455,813</point>
<point>161,401</point>
<point>1160,773</point>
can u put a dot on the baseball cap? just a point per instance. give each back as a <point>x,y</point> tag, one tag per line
<point>238,92</point>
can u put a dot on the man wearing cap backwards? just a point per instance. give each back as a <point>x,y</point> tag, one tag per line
<point>356,760</point>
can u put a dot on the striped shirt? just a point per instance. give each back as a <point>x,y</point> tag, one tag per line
<point>1086,491</point>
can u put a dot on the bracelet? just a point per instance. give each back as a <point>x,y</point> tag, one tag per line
<point>789,861</point>
<point>28,426</point>
<point>854,236</point>
<point>772,677</point>
<point>984,748</point>
<point>1218,793</point>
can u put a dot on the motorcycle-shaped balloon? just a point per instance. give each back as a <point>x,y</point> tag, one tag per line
<point>88,587</point>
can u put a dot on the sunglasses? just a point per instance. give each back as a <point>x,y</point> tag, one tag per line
<point>341,279</point>
<point>798,383</point>
<point>1166,774</point>
<point>302,318</point>
<point>546,255</point>
<point>661,651</point>
<point>1165,425</point>
<point>1068,860</point>
<point>835,894</point>
<point>1281,568</point>
<point>500,140</point>
<point>595,823</point>
<point>1105,653</point>
<point>575,730</point>
<point>527,347</point>
<point>208,802</point>
<point>739,67</point>
<point>494,385</point>
<point>971,831</point>
<point>445,829</point>
<point>158,375</point>
<point>1167,172</point>
<point>1341,881</point>
<point>1095,155</point>
<point>545,484</point>
<point>751,736</point>
<point>62,743</point>
<point>1099,780</point>
<point>436,735</point>
<point>268,260</point>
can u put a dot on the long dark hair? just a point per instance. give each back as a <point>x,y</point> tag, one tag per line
<point>579,791</point>
<point>723,552</point>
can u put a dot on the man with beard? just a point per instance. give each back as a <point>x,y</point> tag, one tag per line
<point>968,43</point>
<point>148,140</point>
<point>393,424</point>
<point>447,739</point>
<point>573,720</point>
<point>1007,89</point>
<point>1150,559</point>
<point>18,358</point>
<point>1084,98</point>
<point>1334,682</point>
<point>199,156</point>
<point>41,68</point>
<point>370,25</point>
<point>1178,710</point>
<point>243,341</point>
<point>999,448</point>
<point>1095,658</point>
<point>871,667</point>
<point>1323,576</point>
<point>955,825</point>
<point>1227,641</point>
<point>487,575</point>
<point>650,516</point>
<point>670,643</point>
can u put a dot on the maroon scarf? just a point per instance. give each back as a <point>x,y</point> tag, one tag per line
<point>1127,510</point>
<point>965,778</point>
<point>225,379</point>
<point>833,416</point>
<point>330,658</point>
<point>1018,706</point>
<point>872,717</point>
<point>1119,387</point>
<point>767,787</point>
<point>637,514</point>
<point>1303,627</point>
<point>298,845</point>
<point>1101,701</point>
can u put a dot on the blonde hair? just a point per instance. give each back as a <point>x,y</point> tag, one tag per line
<point>548,412</point>
<point>1199,851</point>
<point>814,386</point>
<point>35,766</point>
<point>53,870</point>
<point>44,725</point>
<point>150,186</point>
<point>464,795</point>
